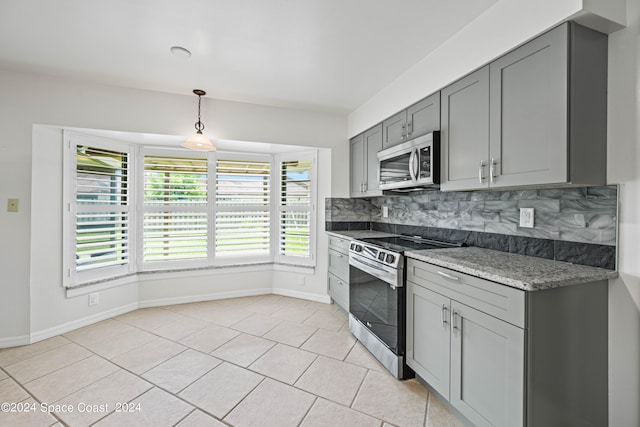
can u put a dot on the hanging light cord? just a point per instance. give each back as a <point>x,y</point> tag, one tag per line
<point>199,124</point>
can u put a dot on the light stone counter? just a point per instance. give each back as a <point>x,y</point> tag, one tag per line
<point>518,271</point>
<point>361,234</point>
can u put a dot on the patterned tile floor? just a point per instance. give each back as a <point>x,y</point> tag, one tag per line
<point>255,361</point>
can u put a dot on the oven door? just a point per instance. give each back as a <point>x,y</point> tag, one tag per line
<point>378,306</point>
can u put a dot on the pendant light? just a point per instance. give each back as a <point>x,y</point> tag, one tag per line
<point>198,141</point>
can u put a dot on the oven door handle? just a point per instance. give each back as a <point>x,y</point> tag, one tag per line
<point>389,276</point>
<point>368,264</point>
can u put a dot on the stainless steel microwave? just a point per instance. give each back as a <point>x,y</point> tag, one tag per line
<point>412,164</point>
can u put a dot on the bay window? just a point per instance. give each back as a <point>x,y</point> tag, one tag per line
<point>131,208</point>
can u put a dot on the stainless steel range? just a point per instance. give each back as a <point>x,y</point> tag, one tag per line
<point>377,303</point>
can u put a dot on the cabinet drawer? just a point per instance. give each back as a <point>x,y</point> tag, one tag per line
<point>492,298</point>
<point>339,244</point>
<point>339,264</point>
<point>339,291</point>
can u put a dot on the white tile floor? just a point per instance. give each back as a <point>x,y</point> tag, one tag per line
<point>255,361</point>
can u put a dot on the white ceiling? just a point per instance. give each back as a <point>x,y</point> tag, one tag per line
<point>329,55</point>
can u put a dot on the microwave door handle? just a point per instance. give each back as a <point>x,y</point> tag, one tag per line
<point>412,165</point>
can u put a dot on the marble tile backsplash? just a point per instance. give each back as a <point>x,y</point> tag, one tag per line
<point>584,214</point>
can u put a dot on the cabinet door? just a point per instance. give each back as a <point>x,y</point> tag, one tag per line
<point>529,112</point>
<point>424,116</point>
<point>464,133</point>
<point>428,336</point>
<point>373,144</point>
<point>394,129</point>
<point>357,166</point>
<point>487,368</point>
<point>339,291</point>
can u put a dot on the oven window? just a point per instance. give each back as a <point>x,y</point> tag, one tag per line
<point>395,169</point>
<point>375,304</point>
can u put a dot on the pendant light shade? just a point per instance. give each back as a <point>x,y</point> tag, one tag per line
<point>198,141</point>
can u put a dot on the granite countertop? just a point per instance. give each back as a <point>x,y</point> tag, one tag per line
<point>361,234</point>
<point>518,271</point>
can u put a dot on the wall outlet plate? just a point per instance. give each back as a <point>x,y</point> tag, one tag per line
<point>385,211</point>
<point>526,217</point>
<point>94,298</point>
<point>12,205</point>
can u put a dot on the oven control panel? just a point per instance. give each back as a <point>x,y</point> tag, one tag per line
<point>383,256</point>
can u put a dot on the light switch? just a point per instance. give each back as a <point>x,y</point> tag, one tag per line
<point>12,205</point>
<point>385,211</point>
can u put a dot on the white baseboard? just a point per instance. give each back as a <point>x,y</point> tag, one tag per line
<point>302,295</point>
<point>79,323</point>
<point>14,341</point>
<point>159,302</point>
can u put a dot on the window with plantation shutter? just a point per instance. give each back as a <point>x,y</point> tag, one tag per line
<point>129,209</point>
<point>175,210</point>
<point>243,205</point>
<point>296,201</point>
<point>98,205</point>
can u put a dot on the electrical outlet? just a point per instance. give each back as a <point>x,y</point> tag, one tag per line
<point>12,205</point>
<point>526,217</point>
<point>385,211</point>
<point>94,299</point>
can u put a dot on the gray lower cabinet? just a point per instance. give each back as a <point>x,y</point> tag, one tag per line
<point>338,277</point>
<point>506,357</point>
<point>417,120</point>
<point>540,116</point>
<point>364,163</point>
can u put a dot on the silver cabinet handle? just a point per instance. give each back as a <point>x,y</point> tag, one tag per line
<point>340,282</point>
<point>492,170</point>
<point>448,276</point>
<point>409,128</point>
<point>340,256</point>
<point>454,323</point>
<point>365,187</point>
<point>481,171</point>
<point>445,316</point>
<point>404,131</point>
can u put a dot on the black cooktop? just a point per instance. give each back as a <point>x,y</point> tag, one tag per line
<point>405,243</point>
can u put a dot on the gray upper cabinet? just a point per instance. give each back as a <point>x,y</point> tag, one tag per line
<point>364,163</point>
<point>419,119</point>
<point>528,117</point>
<point>394,129</point>
<point>546,103</point>
<point>357,165</point>
<point>464,133</point>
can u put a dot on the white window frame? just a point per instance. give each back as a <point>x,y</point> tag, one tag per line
<point>70,276</point>
<point>140,209</point>
<point>226,260</point>
<point>279,208</point>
